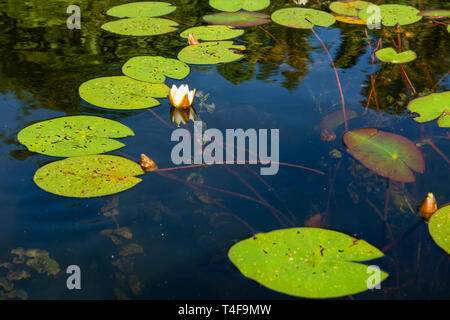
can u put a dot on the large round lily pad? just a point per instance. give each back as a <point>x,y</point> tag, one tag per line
<point>439,227</point>
<point>350,8</point>
<point>431,107</point>
<point>393,14</point>
<point>236,5</point>
<point>122,93</point>
<point>388,154</point>
<point>212,33</point>
<point>141,9</point>
<point>239,19</point>
<point>74,136</point>
<point>302,18</point>
<point>140,26</point>
<point>155,68</point>
<point>211,53</point>
<point>88,176</point>
<point>307,262</point>
<point>390,55</point>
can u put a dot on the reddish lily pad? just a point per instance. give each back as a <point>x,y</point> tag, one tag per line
<point>335,119</point>
<point>240,19</point>
<point>388,154</point>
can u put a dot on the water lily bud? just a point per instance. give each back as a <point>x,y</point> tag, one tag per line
<point>427,207</point>
<point>147,164</point>
<point>192,40</point>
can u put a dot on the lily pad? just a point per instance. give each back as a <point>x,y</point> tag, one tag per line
<point>122,93</point>
<point>140,26</point>
<point>240,19</point>
<point>393,14</point>
<point>388,154</point>
<point>439,227</point>
<point>88,176</point>
<point>431,107</point>
<point>302,18</point>
<point>307,262</point>
<point>392,56</point>
<point>236,5</point>
<point>349,19</point>
<point>141,9</point>
<point>155,68</point>
<point>435,13</point>
<point>211,53</point>
<point>74,136</point>
<point>335,119</point>
<point>350,8</point>
<point>211,33</point>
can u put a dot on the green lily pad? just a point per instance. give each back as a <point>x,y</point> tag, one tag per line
<point>236,5</point>
<point>211,33</point>
<point>431,107</point>
<point>387,154</point>
<point>141,9</point>
<point>307,262</point>
<point>239,19</point>
<point>140,26</point>
<point>390,55</point>
<point>155,69</point>
<point>439,227</point>
<point>349,8</point>
<point>302,18</point>
<point>211,53</point>
<point>88,176</point>
<point>74,136</point>
<point>122,93</point>
<point>435,13</point>
<point>393,14</point>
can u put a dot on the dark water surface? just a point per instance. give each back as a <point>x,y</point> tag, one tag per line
<point>285,82</point>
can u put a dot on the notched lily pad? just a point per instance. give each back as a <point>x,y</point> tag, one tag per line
<point>88,176</point>
<point>302,18</point>
<point>306,262</point>
<point>431,107</point>
<point>140,26</point>
<point>211,33</point>
<point>393,14</point>
<point>236,5</point>
<point>155,69</point>
<point>74,136</point>
<point>146,9</point>
<point>390,55</point>
<point>211,53</point>
<point>350,8</point>
<point>439,227</point>
<point>239,19</point>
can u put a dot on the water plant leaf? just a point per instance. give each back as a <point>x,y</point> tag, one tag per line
<point>351,8</point>
<point>236,5</point>
<point>74,136</point>
<point>387,154</point>
<point>393,14</point>
<point>140,26</point>
<point>155,68</point>
<point>335,119</point>
<point>211,33</point>
<point>435,13</point>
<point>211,53</point>
<point>306,262</point>
<point>348,19</point>
<point>122,93</point>
<point>392,56</point>
<point>146,9</point>
<point>439,227</point>
<point>431,107</point>
<point>88,176</point>
<point>302,18</point>
<point>239,19</point>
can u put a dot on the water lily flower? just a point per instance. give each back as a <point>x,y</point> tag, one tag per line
<point>182,115</point>
<point>300,2</point>
<point>181,97</point>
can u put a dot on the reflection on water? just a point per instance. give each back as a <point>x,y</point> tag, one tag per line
<point>168,237</point>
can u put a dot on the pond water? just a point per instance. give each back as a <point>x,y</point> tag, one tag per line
<point>180,235</point>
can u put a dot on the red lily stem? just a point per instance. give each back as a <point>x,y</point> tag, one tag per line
<point>368,100</point>
<point>274,38</point>
<point>440,80</point>
<point>161,119</point>
<point>372,83</point>
<point>370,46</point>
<point>407,78</point>
<point>437,149</point>
<point>337,78</point>
<point>386,201</point>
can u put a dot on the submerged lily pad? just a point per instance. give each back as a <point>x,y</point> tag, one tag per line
<point>388,154</point>
<point>240,19</point>
<point>88,176</point>
<point>146,9</point>
<point>211,53</point>
<point>236,5</point>
<point>335,119</point>
<point>439,227</point>
<point>307,262</point>
<point>74,136</point>
<point>122,93</point>
<point>140,26</point>
<point>431,107</point>
<point>211,33</point>
<point>350,8</point>
<point>393,14</point>
<point>302,18</point>
<point>392,56</point>
<point>155,68</point>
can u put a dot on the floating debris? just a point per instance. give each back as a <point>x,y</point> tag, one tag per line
<point>42,263</point>
<point>17,275</point>
<point>131,249</point>
<point>6,284</point>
